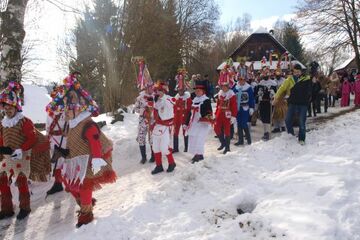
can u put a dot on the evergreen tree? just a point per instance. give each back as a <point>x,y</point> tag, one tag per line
<point>291,41</point>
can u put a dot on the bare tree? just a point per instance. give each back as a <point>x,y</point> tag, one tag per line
<point>334,23</point>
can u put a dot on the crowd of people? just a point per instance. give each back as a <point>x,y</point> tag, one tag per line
<point>279,99</point>
<point>82,154</point>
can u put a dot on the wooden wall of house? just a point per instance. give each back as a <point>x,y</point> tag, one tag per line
<point>257,46</point>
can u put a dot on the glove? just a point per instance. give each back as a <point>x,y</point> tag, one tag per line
<point>6,150</point>
<point>184,127</point>
<point>17,155</point>
<point>233,120</point>
<point>96,164</point>
<point>251,111</point>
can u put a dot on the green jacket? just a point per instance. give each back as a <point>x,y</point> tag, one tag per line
<point>299,93</point>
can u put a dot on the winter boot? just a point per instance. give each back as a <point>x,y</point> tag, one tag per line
<point>159,168</point>
<point>266,136</point>
<point>186,143</point>
<point>227,145</point>
<point>283,129</point>
<point>152,159</point>
<point>7,208</point>
<point>276,130</point>
<point>143,154</point>
<point>241,137</point>
<point>222,141</point>
<point>84,218</point>
<point>171,167</point>
<point>24,197</point>
<point>23,214</point>
<point>171,162</point>
<point>176,144</point>
<point>57,187</point>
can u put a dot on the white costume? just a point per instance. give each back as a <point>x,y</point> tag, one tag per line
<point>197,130</point>
<point>161,133</point>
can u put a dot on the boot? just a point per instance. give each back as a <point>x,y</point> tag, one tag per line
<point>23,214</point>
<point>143,154</point>
<point>7,208</point>
<point>222,141</point>
<point>171,162</point>
<point>152,159</point>
<point>84,218</point>
<point>157,169</point>
<point>57,187</point>
<point>266,136</point>
<point>171,167</point>
<point>276,130</point>
<point>241,137</point>
<point>186,143</point>
<point>176,144</point>
<point>158,161</point>
<point>283,129</point>
<point>24,197</point>
<point>227,145</point>
<point>247,135</point>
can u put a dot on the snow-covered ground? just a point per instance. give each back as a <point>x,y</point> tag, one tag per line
<point>288,191</point>
<point>36,99</point>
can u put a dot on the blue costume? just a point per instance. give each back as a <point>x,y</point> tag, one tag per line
<point>246,104</point>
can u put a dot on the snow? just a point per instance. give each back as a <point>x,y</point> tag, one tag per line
<point>36,99</point>
<point>288,191</point>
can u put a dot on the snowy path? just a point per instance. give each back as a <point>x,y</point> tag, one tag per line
<point>292,192</point>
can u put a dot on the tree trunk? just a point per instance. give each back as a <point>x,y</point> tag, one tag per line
<point>12,37</point>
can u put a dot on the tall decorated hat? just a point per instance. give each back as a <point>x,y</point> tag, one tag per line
<point>71,96</point>
<point>161,86</point>
<point>11,95</point>
<point>227,74</point>
<point>56,106</point>
<point>181,79</point>
<point>143,80</point>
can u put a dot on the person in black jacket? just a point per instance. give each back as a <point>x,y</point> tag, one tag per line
<point>315,95</point>
<point>299,88</point>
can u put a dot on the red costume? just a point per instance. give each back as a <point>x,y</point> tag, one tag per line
<point>226,107</point>
<point>182,109</point>
<point>25,155</point>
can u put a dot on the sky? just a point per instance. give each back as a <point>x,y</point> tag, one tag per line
<point>263,12</point>
<point>54,24</point>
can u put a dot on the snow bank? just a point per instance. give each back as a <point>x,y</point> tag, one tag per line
<point>288,192</point>
<point>36,99</point>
